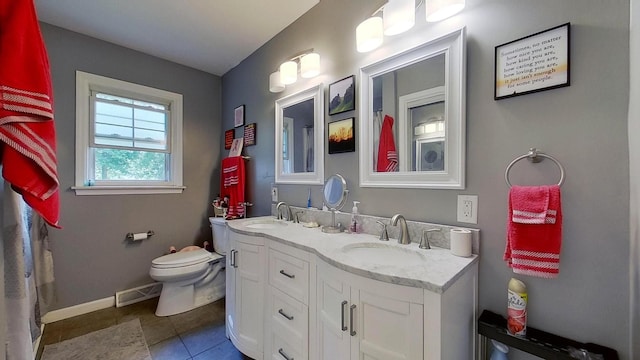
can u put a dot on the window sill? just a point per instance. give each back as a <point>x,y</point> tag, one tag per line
<point>127,190</point>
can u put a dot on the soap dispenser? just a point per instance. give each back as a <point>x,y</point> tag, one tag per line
<point>355,226</point>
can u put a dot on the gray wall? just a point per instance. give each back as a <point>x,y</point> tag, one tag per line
<point>584,126</point>
<point>634,164</point>
<point>92,260</point>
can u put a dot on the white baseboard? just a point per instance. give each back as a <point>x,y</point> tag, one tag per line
<point>80,309</point>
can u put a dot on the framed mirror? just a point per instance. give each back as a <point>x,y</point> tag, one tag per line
<point>412,117</point>
<point>299,137</point>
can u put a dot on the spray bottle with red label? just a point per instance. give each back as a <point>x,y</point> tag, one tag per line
<point>517,308</point>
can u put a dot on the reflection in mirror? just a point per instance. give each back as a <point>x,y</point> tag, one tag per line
<point>412,117</point>
<point>335,196</point>
<point>299,143</point>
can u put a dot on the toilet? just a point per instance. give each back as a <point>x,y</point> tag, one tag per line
<point>192,278</point>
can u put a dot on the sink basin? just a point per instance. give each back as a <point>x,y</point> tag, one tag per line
<point>265,224</point>
<point>384,254</point>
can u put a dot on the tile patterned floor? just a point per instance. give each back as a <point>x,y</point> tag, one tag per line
<point>195,335</point>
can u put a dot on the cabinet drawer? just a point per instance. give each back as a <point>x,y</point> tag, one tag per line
<point>290,275</point>
<point>284,348</point>
<point>289,315</point>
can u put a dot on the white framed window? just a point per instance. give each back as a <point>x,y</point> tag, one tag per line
<point>128,138</point>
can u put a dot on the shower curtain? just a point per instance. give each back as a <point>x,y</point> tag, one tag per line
<point>28,275</point>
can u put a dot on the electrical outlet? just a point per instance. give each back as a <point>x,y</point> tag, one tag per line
<point>274,193</point>
<point>468,209</point>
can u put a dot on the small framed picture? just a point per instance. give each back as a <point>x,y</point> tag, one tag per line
<point>228,138</point>
<point>238,116</point>
<point>342,95</point>
<point>533,63</point>
<point>342,137</point>
<point>250,134</point>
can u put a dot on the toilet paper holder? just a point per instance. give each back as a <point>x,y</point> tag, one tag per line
<point>135,236</point>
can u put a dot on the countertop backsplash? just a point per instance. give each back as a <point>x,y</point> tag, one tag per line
<point>370,226</point>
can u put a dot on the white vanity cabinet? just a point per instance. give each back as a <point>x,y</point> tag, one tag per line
<point>245,284</point>
<point>360,318</point>
<point>287,314</point>
<point>295,295</point>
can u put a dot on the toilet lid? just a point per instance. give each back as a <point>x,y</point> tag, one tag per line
<point>185,258</point>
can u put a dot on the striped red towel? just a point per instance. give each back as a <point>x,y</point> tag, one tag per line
<point>534,230</point>
<point>387,154</point>
<point>27,130</point>
<point>232,185</point>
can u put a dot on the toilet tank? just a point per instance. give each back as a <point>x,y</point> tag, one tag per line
<point>220,235</point>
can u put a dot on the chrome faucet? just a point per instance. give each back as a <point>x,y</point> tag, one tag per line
<point>279,211</point>
<point>404,237</point>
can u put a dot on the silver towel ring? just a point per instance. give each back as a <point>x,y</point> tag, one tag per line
<point>534,156</point>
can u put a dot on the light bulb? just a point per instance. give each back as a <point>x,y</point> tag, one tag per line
<point>288,72</point>
<point>399,16</point>
<point>441,9</point>
<point>275,84</point>
<point>369,34</point>
<point>310,65</point>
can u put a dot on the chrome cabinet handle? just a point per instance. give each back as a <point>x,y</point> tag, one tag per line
<point>344,327</point>
<point>235,258</point>
<point>286,274</point>
<point>284,355</point>
<point>281,312</point>
<point>351,311</point>
<point>232,258</point>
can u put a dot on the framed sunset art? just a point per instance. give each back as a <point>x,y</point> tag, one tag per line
<point>342,137</point>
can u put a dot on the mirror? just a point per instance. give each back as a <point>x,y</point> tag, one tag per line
<point>335,192</point>
<point>414,103</point>
<point>299,138</point>
<point>335,196</point>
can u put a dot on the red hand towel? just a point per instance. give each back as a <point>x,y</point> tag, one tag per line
<point>26,110</point>
<point>232,184</point>
<point>387,155</point>
<point>533,248</point>
<point>531,205</point>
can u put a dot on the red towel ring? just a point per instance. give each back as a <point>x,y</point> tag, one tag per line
<point>534,156</point>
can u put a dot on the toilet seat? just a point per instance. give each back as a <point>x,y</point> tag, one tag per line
<point>184,259</point>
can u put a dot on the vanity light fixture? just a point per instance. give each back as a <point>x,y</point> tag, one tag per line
<point>398,16</point>
<point>287,73</point>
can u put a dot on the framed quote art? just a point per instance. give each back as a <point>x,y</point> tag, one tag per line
<point>250,134</point>
<point>533,63</point>
<point>228,138</point>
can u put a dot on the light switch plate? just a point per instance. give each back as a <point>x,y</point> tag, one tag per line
<point>468,209</point>
<point>274,193</point>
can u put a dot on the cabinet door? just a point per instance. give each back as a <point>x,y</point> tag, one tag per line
<point>387,325</point>
<point>332,302</point>
<point>230,292</point>
<point>249,281</point>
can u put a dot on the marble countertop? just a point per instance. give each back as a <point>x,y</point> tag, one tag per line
<point>436,273</point>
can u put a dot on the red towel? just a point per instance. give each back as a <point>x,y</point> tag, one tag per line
<point>27,130</point>
<point>232,185</point>
<point>534,230</point>
<point>387,155</point>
